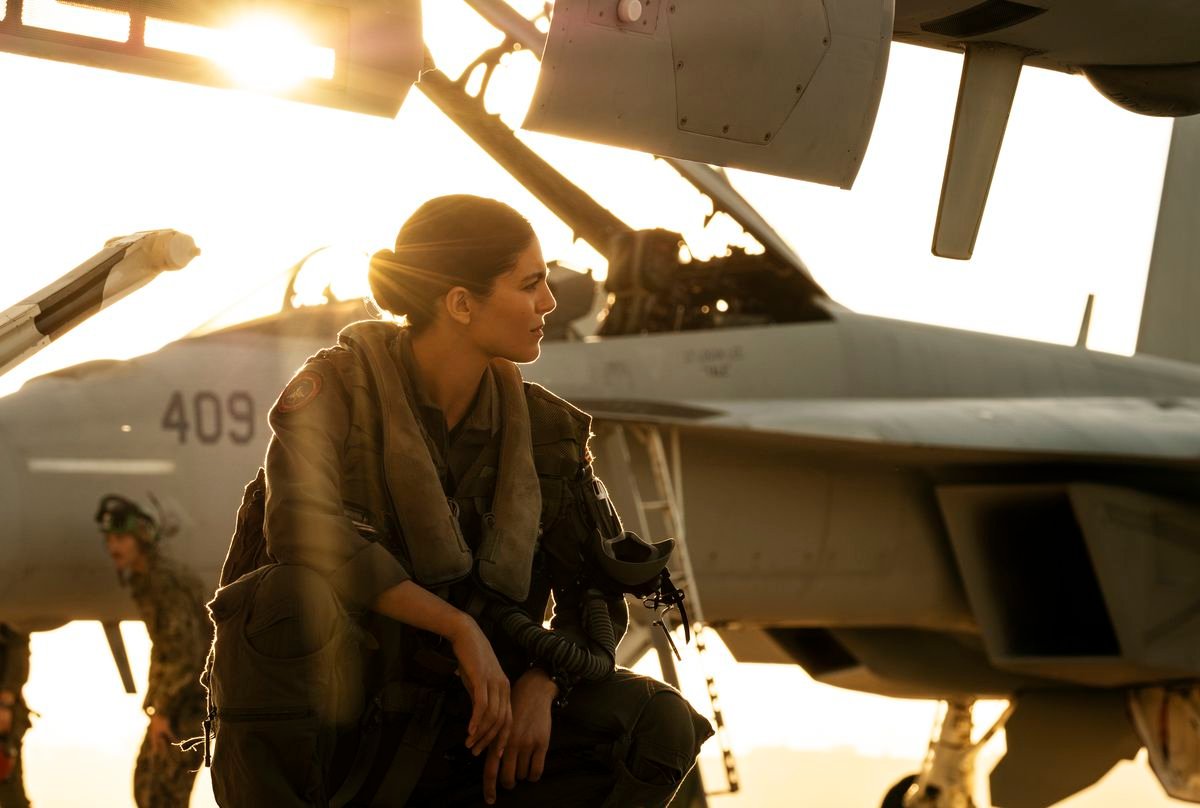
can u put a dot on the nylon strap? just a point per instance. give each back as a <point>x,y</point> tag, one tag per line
<point>423,706</point>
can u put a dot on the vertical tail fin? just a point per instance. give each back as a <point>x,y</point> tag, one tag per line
<point>1170,325</point>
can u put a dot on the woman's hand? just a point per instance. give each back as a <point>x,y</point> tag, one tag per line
<point>486,683</point>
<point>491,714</point>
<point>525,756</point>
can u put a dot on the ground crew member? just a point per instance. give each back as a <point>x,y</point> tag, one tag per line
<point>421,504</point>
<point>14,715</point>
<point>171,602</point>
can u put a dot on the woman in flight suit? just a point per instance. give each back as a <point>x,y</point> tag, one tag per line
<point>422,504</point>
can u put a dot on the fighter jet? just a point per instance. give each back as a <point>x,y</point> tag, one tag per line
<point>897,508</point>
<point>789,87</point>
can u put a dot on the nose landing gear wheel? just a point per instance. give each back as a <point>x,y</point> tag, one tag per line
<point>947,776</point>
<point>895,796</point>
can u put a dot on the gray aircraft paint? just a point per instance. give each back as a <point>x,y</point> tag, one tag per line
<point>1165,31</point>
<point>821,404</point>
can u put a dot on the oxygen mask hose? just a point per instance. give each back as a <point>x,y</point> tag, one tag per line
<point>559,651</point>
<point>598,622</point>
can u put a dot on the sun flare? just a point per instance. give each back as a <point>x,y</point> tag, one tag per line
<point>259,51</point>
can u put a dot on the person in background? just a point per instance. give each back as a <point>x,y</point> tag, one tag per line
<point>14,715</point>
<point>171,602</point>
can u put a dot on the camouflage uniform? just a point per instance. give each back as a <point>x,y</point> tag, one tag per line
<point>14,671</point>
<point>171,602</point>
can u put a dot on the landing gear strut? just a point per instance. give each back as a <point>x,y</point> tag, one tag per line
<point>947,777</point>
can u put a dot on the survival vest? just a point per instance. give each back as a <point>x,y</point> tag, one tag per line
<point>558,432</point>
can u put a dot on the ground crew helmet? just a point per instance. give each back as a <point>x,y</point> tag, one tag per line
<point>116,514</point>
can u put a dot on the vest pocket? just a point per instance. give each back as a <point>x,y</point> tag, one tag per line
<point>267,757</point>
<point>284,677</point>
<point>284,643</point>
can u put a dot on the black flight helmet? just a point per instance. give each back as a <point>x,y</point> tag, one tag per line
<point>634,564</point>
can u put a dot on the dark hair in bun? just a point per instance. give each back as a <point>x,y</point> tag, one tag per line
<point>458,240</point>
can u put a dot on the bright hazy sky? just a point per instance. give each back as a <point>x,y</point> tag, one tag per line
<point>260,182</point>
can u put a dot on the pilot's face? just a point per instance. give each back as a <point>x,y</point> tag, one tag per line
<point>124,550</point>
<point>508,323</point>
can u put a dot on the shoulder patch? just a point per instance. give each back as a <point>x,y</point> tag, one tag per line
<point>300,391</point>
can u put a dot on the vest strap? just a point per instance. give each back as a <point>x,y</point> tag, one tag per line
<point>422,707</point>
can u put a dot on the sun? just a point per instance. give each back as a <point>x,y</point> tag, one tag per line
<point>258,51</point>
<point>268,53</point>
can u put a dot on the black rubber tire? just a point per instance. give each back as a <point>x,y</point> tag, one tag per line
<point>895,796</point>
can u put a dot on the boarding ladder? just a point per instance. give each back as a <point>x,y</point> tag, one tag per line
<point>667,501</point>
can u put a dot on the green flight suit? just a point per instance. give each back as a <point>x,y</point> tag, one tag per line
<point>626,741</point>
<point>170,601</point>
<point>14,672</point>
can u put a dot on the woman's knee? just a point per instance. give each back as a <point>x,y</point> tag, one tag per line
<point>294,613</point>
<point>666,739</point>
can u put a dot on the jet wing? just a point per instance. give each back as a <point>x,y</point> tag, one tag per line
<point>949,430</point>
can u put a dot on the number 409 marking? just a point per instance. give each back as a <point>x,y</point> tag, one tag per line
<point>208,416</point>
